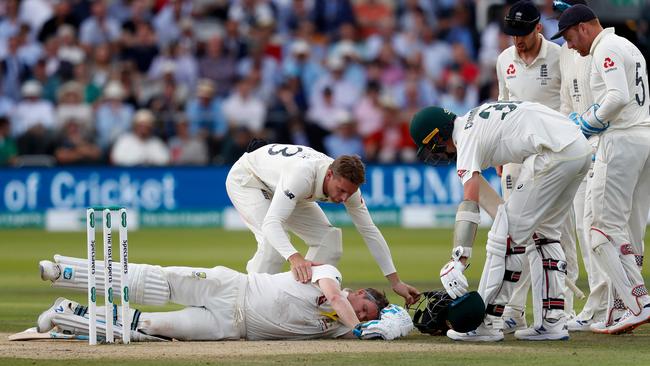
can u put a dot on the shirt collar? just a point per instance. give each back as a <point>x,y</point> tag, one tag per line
<point>599,37</point>
<point>543,51</point>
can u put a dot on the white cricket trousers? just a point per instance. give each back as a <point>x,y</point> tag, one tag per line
<point>252,199</point>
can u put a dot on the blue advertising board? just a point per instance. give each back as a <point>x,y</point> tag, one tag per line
<point>199,189</point>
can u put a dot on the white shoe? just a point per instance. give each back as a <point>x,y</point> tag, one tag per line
<point>480,334</point>
<point>49,270</point>
<point>547,332</point>
<point>599,327</point>
<point>61,305</point>
<point>512,323</point>
<point>629,321</point>
<point>578,325</point>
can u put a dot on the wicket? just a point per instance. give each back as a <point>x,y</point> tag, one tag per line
<point>111,313</point>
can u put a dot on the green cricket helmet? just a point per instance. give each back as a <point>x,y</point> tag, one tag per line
<point>431,128</point>
<point>437,312</point>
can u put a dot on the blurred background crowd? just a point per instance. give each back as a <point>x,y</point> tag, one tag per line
<point>182,82</point>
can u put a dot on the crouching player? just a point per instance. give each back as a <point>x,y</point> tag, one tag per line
<point>555,156</point>
<point>223,304</point>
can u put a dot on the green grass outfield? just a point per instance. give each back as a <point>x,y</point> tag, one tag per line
<point>418,255</point>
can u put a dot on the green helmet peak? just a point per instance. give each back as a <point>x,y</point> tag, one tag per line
<point>430,128</point>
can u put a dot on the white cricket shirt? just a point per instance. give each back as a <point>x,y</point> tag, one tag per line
<point>538,82</point>
<point>508,132</point>
<point>619,81</point>
<point>279,307</point>
<point>575,92</point>
<point>296,173</point>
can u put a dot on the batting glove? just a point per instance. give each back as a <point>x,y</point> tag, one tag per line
<point>589,122</point>
<point>398,315</point>
<point>377,329</point>
<point>452,277</point>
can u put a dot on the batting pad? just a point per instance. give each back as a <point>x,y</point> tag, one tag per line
<point>78,325</point>
<point>621,269</point>
<point>148,285</point>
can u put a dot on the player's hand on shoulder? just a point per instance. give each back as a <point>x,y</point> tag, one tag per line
<point>301,268</point>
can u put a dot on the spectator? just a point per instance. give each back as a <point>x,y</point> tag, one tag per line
<point>218,66</point>
<point>69,49</point>
<point>392,67</point>
<point>436,54</point>
<point>9,26</point>
<point>33,121</point>
<point>324,114</point>
<point>368,112</point>
<point>140,147</point>
<point>71,106</point>
<point>302,65</point>
<point>8,149</point>
<point>166,103</point>
<point>167,21</point>
<point>62,16</point>
<point>281,111</point>
<point>243,109</point>
<point>328,15</point>
<point>32,111</point>
<point>141,48</point>
<point>392,143</point>
<point>462,65</point>
<point>101,65</point>
<point>205,115</point>
<point>74,146</point>
<point>235,147</point>
<point>99,29</point>
<point>345,93</point>
<point>370,14</point>
<point>13,70</point>
<point>250,13</point>
<point>460,97</point>
<point>345,140</point>
<point>185,148</point>
<point>34,13</point>
<point>113,116</point>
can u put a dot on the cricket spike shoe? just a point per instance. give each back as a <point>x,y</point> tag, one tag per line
<point>578,325</point>
<point>480,334</point>
<point>629,321</point>
<point>549,331</point>
<point>50,271</point>
<point>61,305</point>
<point>513,322</point>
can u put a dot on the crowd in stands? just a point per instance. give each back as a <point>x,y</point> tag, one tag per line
<point>157,82</point>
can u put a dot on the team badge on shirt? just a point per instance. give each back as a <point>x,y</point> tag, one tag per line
<point>543,75</point>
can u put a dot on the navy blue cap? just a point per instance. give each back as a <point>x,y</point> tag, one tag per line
<point>574,15</point>
<point>521,19</point>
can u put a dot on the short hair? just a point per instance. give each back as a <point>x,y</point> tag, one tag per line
<point>349,167</point>
<point>378,298</point>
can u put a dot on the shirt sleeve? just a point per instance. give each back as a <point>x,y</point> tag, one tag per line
<point>503,88</point>
<point>325,271</point>
<point>468,160</point>
<point>566,105</point>
<point>609,62</point>
<point>293,185</point>
<point>373,238</point>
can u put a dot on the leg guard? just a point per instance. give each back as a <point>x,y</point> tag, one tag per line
<point>329,249</point>
<point>621,269</point>
<point>568,242</point>
<point>502,270</point>
<point>547,273</point>
<point>147,284</point>
<point>77,323</point>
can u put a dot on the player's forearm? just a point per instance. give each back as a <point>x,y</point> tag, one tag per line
<point>275,235</point>
<point>344,310</point>
<point>614,102</point>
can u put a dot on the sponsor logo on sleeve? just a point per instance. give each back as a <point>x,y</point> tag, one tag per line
<point>461,173</point>
<point>609,64</point>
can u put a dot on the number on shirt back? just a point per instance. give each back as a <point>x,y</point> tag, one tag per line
<point>284,151</point>
<point>639,82</point>
<point>504,108</point>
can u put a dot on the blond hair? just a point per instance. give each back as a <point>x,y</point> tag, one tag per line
<point>349,167</point>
